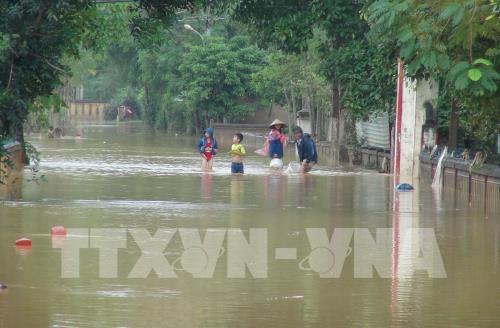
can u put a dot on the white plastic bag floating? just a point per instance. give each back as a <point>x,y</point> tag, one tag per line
<point>276,163</point>
<point>293,167</point>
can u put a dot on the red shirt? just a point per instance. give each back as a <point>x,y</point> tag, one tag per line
<point>208,153</point>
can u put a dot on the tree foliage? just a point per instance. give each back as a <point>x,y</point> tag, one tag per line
<point>336,31</point>
<point>35,35</point>
<point>217,77</point>
<point>454,39</point>
<point>332,56</point>
<point>454,42</point>
<point>182,81</point>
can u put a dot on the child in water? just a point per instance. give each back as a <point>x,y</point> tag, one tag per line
<point>208,149</point>
<point>237,153</point>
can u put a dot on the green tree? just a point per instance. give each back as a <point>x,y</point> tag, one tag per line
<point>455,39</point>
<point>277,82</point>
<point>35,37</point>
<point>39,38</point>
<point>160,85</point>
<point>456,43</point>
<point>336,31</point>
<point>217,79</point>
<point>293,80</point>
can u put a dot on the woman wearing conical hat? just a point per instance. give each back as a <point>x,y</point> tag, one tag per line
<point>276,139</point>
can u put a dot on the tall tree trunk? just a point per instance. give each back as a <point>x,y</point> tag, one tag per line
<point>454,123</point>
<point>207,120</point>
<point>317,115</point>
<point>4,126</point>
<point>294,105</point>
<point>150,117</point>
<point>319,118</point>
<point>342,124</point>
<point>337,116</point>
<point>270,110</point>
<point>197,121</point>
<point>289,111</point>
<point>17,133</point>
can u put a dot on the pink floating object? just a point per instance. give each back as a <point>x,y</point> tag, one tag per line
<point>58,241</point>
<point>23,242</point>
<point>58,230</point>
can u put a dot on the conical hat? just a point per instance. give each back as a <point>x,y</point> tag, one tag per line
<point>277,121</point>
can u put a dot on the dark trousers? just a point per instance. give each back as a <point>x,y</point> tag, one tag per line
<point>237,168</point>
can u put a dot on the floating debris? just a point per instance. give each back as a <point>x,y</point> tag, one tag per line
<point>404,187</point>
<point>58,231</point>
<point>23,242</point>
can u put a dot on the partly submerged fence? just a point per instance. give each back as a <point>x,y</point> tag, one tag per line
<point>478,187</point>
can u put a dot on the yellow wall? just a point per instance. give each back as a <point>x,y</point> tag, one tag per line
<point>87,111</point>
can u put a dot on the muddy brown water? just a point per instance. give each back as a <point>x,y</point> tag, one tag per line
<point>127,177</point>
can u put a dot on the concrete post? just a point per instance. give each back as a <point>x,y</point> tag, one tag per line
<point>410,117</point>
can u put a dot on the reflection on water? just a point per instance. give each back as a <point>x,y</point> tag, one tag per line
<point>126,177</point>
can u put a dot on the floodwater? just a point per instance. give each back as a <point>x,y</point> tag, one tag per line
<point>127,177</point>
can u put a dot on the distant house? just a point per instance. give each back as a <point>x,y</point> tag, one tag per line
<point>304,120</point>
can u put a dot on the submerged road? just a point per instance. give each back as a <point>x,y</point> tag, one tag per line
<point>127,178</point>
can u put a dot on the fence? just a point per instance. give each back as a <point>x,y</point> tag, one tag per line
<point>479,188</point>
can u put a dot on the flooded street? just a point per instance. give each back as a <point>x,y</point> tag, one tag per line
<point>127,177</point>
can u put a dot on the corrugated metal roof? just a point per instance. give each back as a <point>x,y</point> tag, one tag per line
<point>375,132</point>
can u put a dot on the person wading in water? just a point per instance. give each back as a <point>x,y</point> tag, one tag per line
<point>208,149</point>
<point>306,148</point>
<point>276,141</point>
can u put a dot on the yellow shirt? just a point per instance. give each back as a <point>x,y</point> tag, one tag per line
<point>237,152</point>
<point>238,149</point>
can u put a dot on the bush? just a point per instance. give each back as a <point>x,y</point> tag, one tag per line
<point>124,97</point>
<point>110,113</point>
